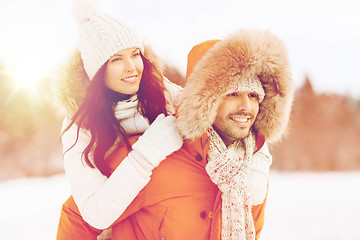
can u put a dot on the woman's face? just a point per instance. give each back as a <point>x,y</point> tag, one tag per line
<point>124,71</point>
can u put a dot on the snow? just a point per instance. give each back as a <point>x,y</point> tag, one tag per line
<point>30,207</point>
<point>311,206</point>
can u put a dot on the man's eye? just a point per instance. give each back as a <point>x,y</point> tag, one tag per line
<point>234,94</point>
<point>253,95</point>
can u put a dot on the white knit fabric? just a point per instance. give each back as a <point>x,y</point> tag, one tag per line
<point>227,168</point>
<point>160,140</point>
<point>129,116</point>
<point>249,84</point>
<point>101,36</point>
<point>258,177</point>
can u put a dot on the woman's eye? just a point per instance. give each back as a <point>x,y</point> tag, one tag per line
<point>136,54</point>
<point>115,59</point>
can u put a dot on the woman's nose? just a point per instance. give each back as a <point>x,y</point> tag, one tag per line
<point>129,66</point>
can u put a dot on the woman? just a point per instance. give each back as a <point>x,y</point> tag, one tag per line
<point>113,88</point>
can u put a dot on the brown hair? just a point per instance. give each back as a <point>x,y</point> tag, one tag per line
<point>96,113</point>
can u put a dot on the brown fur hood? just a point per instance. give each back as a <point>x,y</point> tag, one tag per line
<point>245,53</point>
<point>70,84</point>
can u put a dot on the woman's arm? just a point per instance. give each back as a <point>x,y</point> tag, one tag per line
<point>102,200</point>
<point>258,176</point>
<point>98,198</point>
<point>172,95</point>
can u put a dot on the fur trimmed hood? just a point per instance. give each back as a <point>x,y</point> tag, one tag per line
<point>245,53</point>
<point>70,84</point>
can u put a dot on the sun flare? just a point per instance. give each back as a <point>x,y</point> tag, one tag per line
<point>26,76</point>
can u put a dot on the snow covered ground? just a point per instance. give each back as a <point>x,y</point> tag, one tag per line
<point>311,206</point>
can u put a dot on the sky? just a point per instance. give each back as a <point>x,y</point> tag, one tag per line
<point>322,36</point>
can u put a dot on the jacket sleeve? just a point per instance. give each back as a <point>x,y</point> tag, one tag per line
<point>99,199</point>
<point>258,213</point>
<point>72,226</point>
<point>262,160</point>
<point>172,95</point>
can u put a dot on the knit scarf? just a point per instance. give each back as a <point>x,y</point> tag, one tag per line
<point>227,168</point>
<point>129,117</point>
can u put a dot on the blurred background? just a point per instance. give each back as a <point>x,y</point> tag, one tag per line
<point>314,187</point>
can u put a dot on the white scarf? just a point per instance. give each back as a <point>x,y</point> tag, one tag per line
<point>227,168</point>
<point>129,117</point>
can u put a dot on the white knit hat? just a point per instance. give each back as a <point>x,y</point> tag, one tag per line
<point>100,36</point>
<point>249,84</point>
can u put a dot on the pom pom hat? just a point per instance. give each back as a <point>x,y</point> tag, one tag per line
<point>100,36</point>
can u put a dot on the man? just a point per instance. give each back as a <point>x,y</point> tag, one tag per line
<point>238,93</point>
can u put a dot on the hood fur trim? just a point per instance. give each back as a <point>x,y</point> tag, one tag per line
<point>245,53</point>
<point>71,82</point>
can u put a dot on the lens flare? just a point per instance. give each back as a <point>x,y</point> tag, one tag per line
<point>27,76</point>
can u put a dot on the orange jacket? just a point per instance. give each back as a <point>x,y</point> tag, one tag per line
<point>179,202</point>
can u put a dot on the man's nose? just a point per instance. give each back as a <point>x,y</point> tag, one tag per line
<point>244,102</point>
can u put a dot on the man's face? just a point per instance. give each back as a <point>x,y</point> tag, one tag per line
<point>235,116</point>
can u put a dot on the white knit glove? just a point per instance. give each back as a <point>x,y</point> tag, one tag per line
<point>258,175</point>
<point>158,141</point>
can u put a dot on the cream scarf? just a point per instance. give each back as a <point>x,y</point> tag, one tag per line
<point>129,117</point>
<point>227,168</point>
